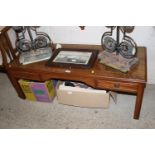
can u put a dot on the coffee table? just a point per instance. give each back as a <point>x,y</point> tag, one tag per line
<point>99,76</point>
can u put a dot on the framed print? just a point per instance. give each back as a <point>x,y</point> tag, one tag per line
<point>73,58</point>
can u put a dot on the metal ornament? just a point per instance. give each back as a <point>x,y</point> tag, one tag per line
<point>41,40</point>
<point>110,44</point>
<point>23,45</point>
<point>127,47</point>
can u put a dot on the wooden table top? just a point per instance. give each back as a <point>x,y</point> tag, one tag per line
<point>137,74</point>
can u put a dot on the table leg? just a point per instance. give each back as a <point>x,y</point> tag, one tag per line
<point>16,85</point>
<point>139,100</point>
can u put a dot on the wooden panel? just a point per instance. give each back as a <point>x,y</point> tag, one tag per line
<point>65,76</point>
<point>27,75</point>
<point>118,86</point>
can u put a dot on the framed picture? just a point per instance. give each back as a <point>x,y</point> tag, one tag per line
<point>73,58</point>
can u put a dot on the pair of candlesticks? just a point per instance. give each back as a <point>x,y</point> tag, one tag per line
<point>127,47</point>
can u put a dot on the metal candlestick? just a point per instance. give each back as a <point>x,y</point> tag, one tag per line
<point>41,40</point>
<point>126,47</point>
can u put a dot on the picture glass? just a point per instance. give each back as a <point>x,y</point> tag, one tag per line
<point>74,57</point>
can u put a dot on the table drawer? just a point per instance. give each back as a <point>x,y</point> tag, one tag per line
<point>118,86</point>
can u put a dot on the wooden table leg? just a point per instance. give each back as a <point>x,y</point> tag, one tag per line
<point>16,85</point>
<point>139,100</point>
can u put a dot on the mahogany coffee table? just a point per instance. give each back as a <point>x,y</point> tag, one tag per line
<point>99,76</point>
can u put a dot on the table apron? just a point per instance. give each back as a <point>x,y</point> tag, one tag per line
<point>130,87</point>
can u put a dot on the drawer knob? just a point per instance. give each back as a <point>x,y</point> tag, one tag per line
<point>117,85</point>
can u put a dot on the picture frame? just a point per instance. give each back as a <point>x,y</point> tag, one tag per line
<point>78,58</point>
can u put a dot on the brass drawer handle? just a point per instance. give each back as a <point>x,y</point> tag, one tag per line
<point>117,85</point>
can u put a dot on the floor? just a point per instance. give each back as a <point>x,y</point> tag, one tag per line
<point>17,113</point>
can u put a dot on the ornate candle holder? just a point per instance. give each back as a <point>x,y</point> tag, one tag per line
<point>41,40</point>
<point>127,47</point>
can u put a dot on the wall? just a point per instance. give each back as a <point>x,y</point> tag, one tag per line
<point>143,35</point>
